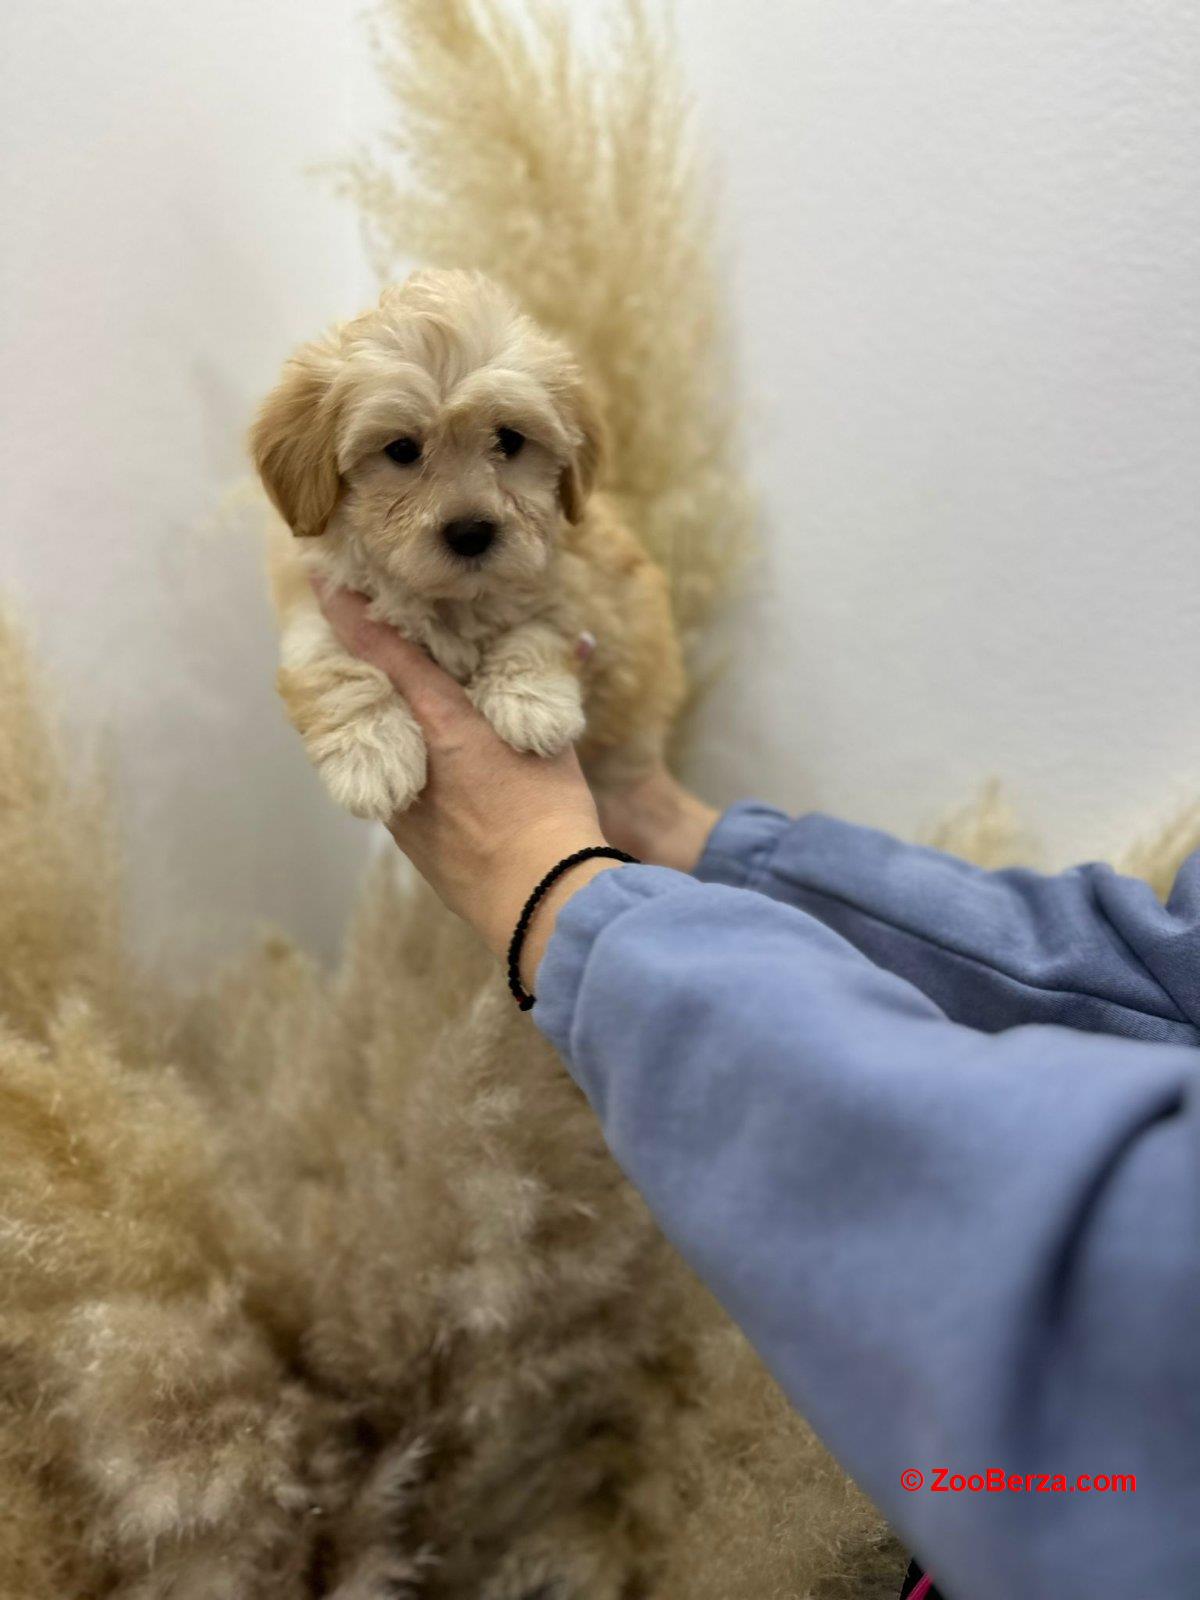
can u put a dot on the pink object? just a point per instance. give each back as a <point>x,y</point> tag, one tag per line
<point>585,645</point>
<point>922,1589</point>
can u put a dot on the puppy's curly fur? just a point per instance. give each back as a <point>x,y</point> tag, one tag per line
<point>440,454</point>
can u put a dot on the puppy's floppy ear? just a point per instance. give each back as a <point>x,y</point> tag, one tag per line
<point>294,443</point>
<point>581,472</point>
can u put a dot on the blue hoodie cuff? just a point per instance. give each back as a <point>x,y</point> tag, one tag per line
<point>580,922</point>
<point>740,847</point>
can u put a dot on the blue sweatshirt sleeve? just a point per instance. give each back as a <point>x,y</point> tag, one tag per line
<point>954,1249</point>
<point>1085,948</point>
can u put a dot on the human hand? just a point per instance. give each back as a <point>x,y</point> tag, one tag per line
<point>490,821</point>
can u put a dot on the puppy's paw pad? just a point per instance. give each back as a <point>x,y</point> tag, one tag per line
<point>542,717</point>
<point>375,768</point>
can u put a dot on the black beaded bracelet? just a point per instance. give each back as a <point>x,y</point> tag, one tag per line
<point>593,852</point>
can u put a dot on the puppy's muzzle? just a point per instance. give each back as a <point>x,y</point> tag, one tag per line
<point>469,536</point>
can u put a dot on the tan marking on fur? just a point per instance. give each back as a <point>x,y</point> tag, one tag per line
<point>287,575</point>
<point>318,698</point>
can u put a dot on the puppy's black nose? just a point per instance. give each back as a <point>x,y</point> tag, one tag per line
<point>469,536</point>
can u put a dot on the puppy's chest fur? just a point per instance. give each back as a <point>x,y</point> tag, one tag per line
<point>458,633</point>
<point>515,648</point>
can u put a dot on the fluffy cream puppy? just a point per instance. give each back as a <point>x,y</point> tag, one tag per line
<point>440,453</point>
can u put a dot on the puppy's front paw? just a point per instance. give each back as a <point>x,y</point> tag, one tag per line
<point>543,715</point>
<point>374,765</point>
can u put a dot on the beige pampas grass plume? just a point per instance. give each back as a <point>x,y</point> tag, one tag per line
<point>988,832</point>
<point>985,831</point>
<point>58,923</point>
<point>1158,855</point>
<point>324,1283</point>
<point>572,177</point>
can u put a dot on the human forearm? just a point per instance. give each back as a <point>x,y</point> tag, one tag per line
<point>1085,948</point>
<point>944,1247</point>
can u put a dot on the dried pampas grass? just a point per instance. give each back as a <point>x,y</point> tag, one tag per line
<point>1159,855</point>
<point>571,177</point>
<point>988,832</point>
<point>57,918</point>
<point>326,1285</point>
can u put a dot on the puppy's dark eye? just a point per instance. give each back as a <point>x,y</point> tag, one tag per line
<point>510,441</point>
<point>403,451</point>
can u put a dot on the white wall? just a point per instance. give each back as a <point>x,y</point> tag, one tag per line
<point>163,248</point>
<point>969,291</point>
<point>966,242</point>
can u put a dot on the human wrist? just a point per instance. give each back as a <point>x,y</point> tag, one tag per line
<point>531,945</point>
<point>694,822</point>
<point>660,821</point>
<point>521,866</point>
